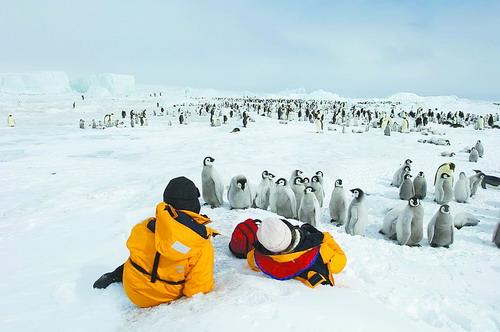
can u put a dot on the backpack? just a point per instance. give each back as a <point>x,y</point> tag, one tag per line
<point>244,237</point>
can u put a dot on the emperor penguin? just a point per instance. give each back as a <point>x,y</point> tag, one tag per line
<point>309,211</point>
<point>480,149</point>
<point>338,204</point>
<point>440,228</point>
<point>306,181</point>
<point>462,188</point>
<point>406,191</point>
<point>464,219</point>
<point>496,235</point>
<point>475,181</point>
<point>398,177</point>
<point>448,168</point>
<point>238,194</point>
<point>420,186</point>
<point>295,173</point>
<point>321,177</point>
<point>318,189</point>
<point>387,130</point>
<point>409,226</point>
<point>298,190</point>
<point>389,225</point>
<point>212,188</point>
<point>357,216</point>
<point>263,191</point>
<point>443,190</point>
<point>474,155</point>
<point>285,202</point>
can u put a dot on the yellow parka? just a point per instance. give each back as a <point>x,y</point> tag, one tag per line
<point>170,256</point>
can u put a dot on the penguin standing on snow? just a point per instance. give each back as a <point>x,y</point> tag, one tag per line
<point>474,182</point>
<point>82,124</point>
<point>309,211</point>
<point>239,195</point>
<point>320,176</point>
<point>338,204</point>
<point>212,188</point>
<point>462,189</point>
<point>284,199</point>
<point>474,155</point>
<point>448,168</point>
<point>295,173</point>
<point>409,226</point>
<point>480,149</point>
<point>357,216</point>
<point>406,191</point>
<point>443,190</point>
<point>398,177</point>
<point>440,229</point>
<point>298,190</point>
<point>318,189</point>
<point>263,191</point>
<point>420,186</point>
<point>389,225</point>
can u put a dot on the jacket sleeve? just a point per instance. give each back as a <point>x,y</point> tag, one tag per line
<point>338,259</point>
<point>200,278</point>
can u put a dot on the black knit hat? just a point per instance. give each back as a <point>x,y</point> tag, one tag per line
<point>182,194</point>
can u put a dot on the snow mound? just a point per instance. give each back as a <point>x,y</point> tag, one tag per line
<point>43,82</point>
<point>104,84</point>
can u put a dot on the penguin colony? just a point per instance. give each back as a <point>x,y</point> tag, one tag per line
<point>302,198</point>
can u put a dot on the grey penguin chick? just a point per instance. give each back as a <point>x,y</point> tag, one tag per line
<point>389,224</point>
<point>263,192</point>
<point>480,148</point>
<point>473,156</point>
<point>239,195</point>
<point>286,204</point>
<point>464,219</point>
<point>309,211</point>
<point>440,229</point>
<point>321,177</point>
<point>318,189</point>
<point>295,173</point>
<point>462,189</point>
<point>298,190</point>
<point>357,216</point>
<point>496,236</point>
<point>410,226</point>
<point>443,189</point>
<point>406,191</point>
<point>338,204</point>
<point>212,188</point>
<point>420,186</point>
<point>398,176</point>
<point>474,181</point>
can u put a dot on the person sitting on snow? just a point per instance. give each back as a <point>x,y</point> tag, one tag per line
<point>284,252</point>
<point>171,255</point>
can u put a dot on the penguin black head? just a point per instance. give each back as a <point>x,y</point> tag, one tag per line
<point>208,161</point>
<point>445,176</point>
<point>271,176</point>
<point>281,182</point>
<point>357,193</point>
<point>414,201</point>
<point>265,174</point>
<point>319,173</point>
<point>305,180</point>
<point>452,154</point>
<point>315,178</point>
<point>420,173</point>
<point>338,183</point>
<point>408,161</point>
<point>309,189</point>
<point>407,176</point>
<point>297,172</point>
<point>241,183</point>
<point>297,180</point>
<point>478,141</point>
<point>407,168</point>
<point>445,209</point>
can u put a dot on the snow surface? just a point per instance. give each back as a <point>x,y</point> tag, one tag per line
<point>69,198</point>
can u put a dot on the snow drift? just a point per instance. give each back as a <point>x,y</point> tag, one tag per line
<point>104,84</point>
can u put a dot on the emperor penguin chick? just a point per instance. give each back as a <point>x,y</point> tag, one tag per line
<point>440,229</point>
<point>309,211</point>
<point>286,204</point>
<point>409,226</point>
<point>239,195</point>
<point>318,189</point>
<point>406,191</point>
<point>357,216</point>
<point>462,189</point>
<point>338,204</point>
<point>212,188</point>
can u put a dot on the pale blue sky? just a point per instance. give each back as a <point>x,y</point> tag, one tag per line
<point>353,48</point>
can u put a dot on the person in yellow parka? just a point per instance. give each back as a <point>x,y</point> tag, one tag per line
<point>448,168</point>
<point>171,255</point>
<point>284,252</point>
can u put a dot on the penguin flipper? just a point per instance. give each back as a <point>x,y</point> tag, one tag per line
<point>405,229</point>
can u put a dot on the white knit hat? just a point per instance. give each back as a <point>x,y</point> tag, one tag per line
<point>274,235</point>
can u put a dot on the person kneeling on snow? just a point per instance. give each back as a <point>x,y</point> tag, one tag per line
<point>171,255</point>
<point>284,252</point>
